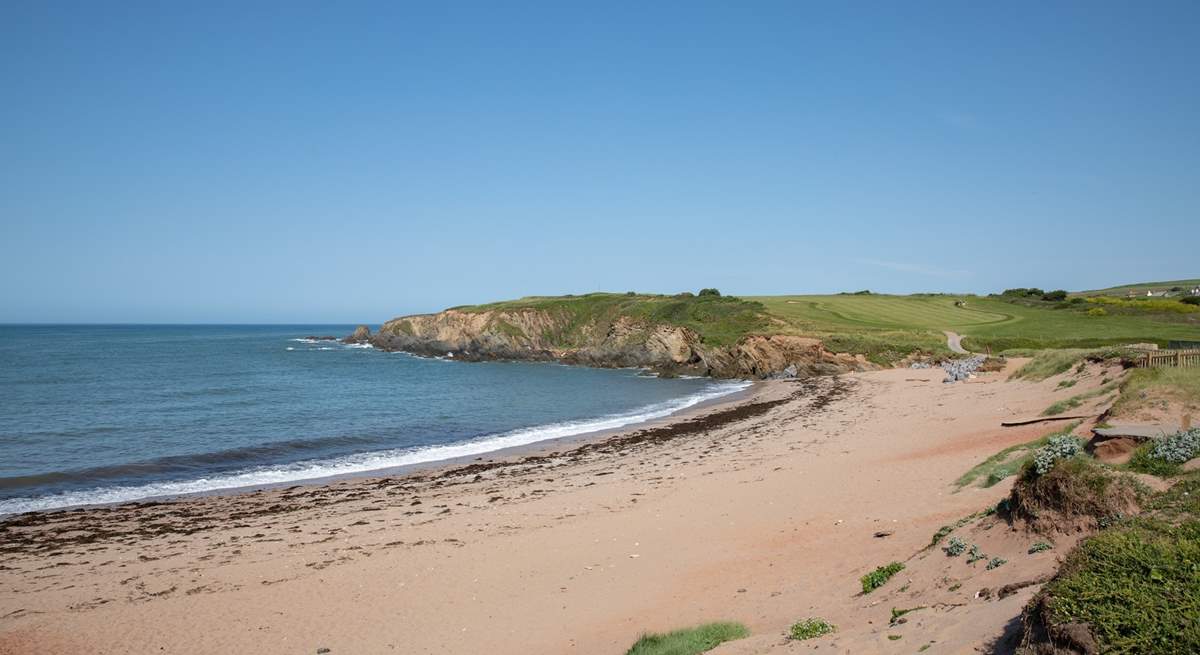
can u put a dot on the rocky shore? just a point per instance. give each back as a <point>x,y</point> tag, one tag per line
<point>537,335</point>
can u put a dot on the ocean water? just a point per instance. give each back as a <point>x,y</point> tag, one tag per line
<point>100,414</point>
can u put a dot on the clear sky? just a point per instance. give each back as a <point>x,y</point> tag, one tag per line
<point>330,162</point>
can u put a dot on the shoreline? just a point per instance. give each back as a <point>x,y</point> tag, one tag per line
<point>760,509</point>
<point>539,447</point>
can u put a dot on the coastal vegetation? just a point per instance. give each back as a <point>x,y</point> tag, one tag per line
<point>689,641</point>
<point>1131,588</point>
<point>1150,386</point>
<point>1063,489</point>
<point>719,320</point>
<point>877,578</point>
<point>810,628</point>
<point>1165,457</point>
<point>1075,401</point>
<point>1009,461</point>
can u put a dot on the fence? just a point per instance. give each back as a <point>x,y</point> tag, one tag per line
<point>1171,358</point>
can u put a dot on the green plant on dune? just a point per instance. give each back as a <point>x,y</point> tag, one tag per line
<point>877,578</point>
<point>898,613</point>
<point>689,641</point>
<point>810,628</point>
<point>1165,457</point>
<point>955,547</point>
<point>1057,448</point>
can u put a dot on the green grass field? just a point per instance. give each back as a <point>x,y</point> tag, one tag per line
<point>1140,288</point>
<point>985,322</point>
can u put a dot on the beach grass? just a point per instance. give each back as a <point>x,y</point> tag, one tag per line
<point>1075,401</point>
<point>1144,386</point>
<point>1007,462</point>
<point>689,641</point>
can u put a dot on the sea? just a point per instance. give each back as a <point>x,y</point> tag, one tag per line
<point>95,414</point>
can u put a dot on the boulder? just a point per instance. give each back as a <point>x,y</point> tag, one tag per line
<point>362,334</point>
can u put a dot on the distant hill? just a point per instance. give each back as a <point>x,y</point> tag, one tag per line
<point>1141,288</point>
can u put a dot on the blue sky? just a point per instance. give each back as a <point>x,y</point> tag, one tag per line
<point>278,162</point>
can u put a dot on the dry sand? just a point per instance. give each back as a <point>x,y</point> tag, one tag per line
<point>762,511</point>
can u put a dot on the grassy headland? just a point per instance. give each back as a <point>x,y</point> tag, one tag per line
<point>883,328</point>
<point>719,320</point>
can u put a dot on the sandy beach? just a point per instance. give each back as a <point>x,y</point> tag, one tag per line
<point>763,510</point>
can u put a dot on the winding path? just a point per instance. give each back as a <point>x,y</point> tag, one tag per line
<point>954,341</point>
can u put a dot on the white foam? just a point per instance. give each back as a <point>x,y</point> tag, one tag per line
<point>364,462</point>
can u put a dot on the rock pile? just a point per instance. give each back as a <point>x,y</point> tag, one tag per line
<point>961,369</point>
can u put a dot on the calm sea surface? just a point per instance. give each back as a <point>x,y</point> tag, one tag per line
<point>96,414</point>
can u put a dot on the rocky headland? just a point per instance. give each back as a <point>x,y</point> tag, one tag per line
<point>607,340</point>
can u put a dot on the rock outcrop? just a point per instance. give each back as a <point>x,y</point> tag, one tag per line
<point>362,334</point>
<point>539,335</point>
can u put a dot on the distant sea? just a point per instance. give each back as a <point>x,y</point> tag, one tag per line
<point>106,413</point>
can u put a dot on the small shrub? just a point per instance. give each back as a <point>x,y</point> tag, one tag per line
<point>1067,384</point>
<point>1179,447</point>
<point>1191,300</point>
<point>1166,456</point>
<point>1143,462</point>
<point>876,579</point>
<point>895,637</point>
<point>955,547</point>
<point>1058,295</point>
<point>709,292</point>
<point>810,628</point>
<point>1039,547</point>
<point>1097,311</point>
<point>975,555</point>
<point>996,562</point>
<point>1060,447</point>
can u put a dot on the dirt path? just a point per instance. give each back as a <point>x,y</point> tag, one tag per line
<point>954,341</point>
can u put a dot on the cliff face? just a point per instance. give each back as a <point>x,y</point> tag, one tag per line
<point>541,335</point>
